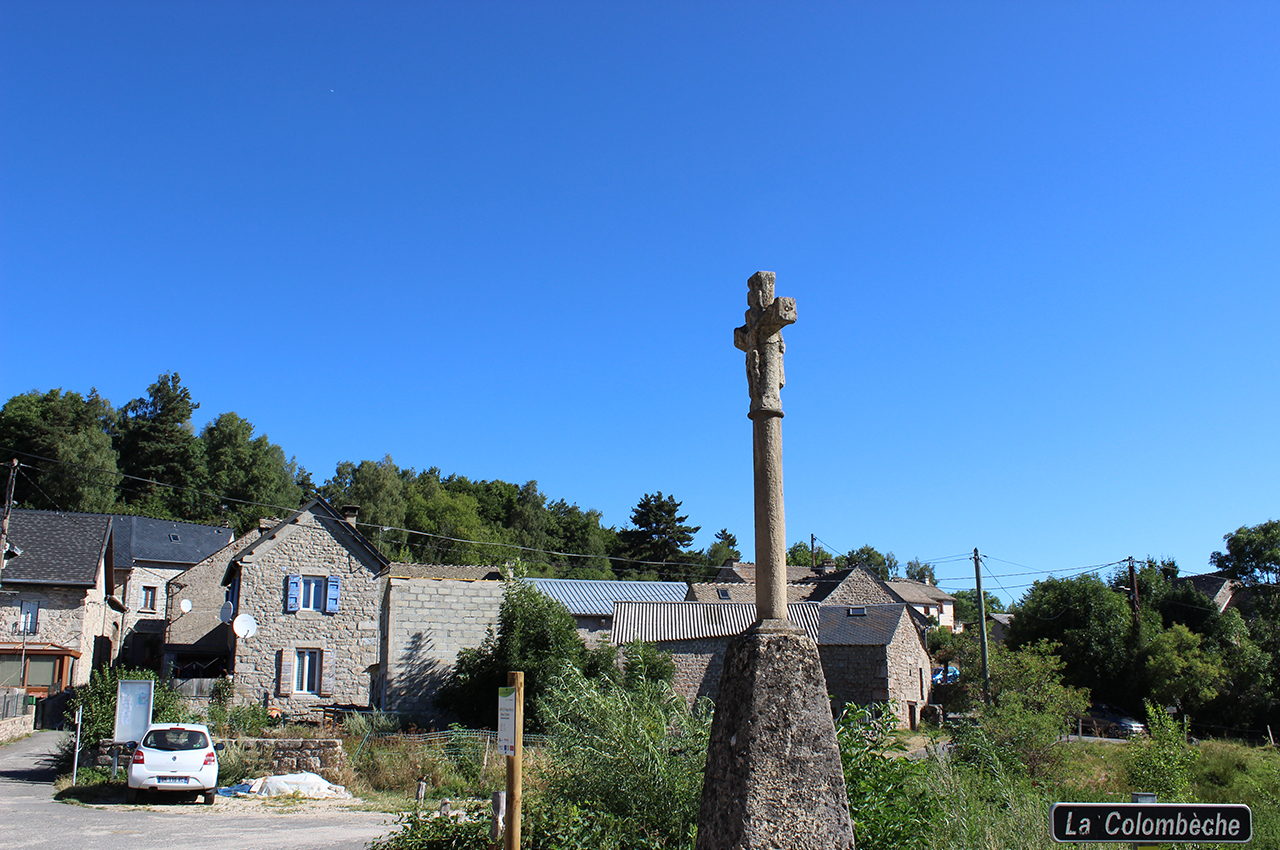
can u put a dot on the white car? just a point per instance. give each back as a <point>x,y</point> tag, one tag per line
<point>174,757</point>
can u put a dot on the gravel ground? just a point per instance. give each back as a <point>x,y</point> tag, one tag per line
<point>35,821</point>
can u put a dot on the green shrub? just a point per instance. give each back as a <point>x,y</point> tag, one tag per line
<point>1161,763</point>
<point>888,797</point>
<point>97,700</point>
<point>636,754</point>
<point>419,830</point>
<point>236,765</point>
<point>248,721</point>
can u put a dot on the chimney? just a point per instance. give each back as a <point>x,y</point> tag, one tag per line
<point>349,514</point>
<point>825,567</point>
<point>267,523</point>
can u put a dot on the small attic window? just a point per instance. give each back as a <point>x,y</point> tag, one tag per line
<point>860,611</point>
<point>722,593</point>
<point>173,538</point>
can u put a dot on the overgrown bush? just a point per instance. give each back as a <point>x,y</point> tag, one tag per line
<point>97,700</point>
<point>888,797</point>
<point>1161,763</point>
<point>248,721</point>
<point>236,765</point>
<point>636,753</point>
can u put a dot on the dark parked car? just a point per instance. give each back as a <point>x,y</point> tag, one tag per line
<point>1108,721</point>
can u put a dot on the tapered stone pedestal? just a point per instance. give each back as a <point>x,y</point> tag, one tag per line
<point>773,776</point>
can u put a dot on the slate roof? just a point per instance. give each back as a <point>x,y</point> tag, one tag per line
<point>664,621</point>
<point>589,597</point>
<point>871,625</point>
<point>741,592</point>
<point>57,548</point>
<point>1001,618</point>
<point>140,538</point>
<point>1216,586</point>
<point>919,593</point>
<point>453,571</point>
<point>744,571</point>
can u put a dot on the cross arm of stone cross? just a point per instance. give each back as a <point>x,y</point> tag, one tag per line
<point>769,321</point>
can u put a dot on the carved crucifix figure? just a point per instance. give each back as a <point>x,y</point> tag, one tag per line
<point>761,339</point>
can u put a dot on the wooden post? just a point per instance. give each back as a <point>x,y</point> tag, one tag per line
<point>1144,797</point>
<point>515,766</point>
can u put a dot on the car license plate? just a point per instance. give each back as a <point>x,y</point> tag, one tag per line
<point>181,779</point>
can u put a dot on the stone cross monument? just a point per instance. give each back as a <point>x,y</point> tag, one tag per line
<point>761,339</point>
<point>774,779</point>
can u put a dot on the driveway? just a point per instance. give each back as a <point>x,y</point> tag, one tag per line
<point>33,819</point>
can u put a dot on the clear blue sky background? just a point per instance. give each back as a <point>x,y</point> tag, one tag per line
<point>1034,248</point>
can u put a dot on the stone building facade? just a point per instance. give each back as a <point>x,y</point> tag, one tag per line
<point>428,622</point>
<point>314,587</point>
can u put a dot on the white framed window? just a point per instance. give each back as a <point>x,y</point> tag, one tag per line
<point>312,596</point>
<point>306,668</point>
<point>30,623</point>
<point>148,598</point>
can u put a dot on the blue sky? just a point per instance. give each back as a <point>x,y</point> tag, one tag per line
<point>1033,247</point>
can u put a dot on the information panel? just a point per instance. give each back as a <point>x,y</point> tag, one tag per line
<point>133,708</point>
<point>1201,823</point>
<point>507,721</point>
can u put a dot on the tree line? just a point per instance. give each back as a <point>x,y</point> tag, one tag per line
<point>80,453</point>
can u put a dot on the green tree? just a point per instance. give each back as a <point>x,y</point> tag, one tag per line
<point>379,489</point>
<point>660,533</point>
<point>883,567</point>
<point>1161,762</point>
<point>1091,624</point>
<point>156,442</point>
<point>967,604</point>
<point>1181,673</point>
<point>917,571</point>
<point>1253,554</point>
<point>250,472</point>
<point>536,635</point>
<point>75,432</point>
<point>799,555</point>
<point>724,549</point>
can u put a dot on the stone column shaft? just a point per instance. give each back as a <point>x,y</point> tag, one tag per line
<point>771,523</point>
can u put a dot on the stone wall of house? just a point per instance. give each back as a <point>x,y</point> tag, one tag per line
<point>69,617</point>
<point>428,622</point>
<point>348,640</point>
<point>202,584</point>
<point>899,670</point>
<point>698,664</point>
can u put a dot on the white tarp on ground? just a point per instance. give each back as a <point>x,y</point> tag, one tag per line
<point>303,784</point>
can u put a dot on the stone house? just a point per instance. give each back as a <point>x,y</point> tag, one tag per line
<point>869,653</point>
<point>149,553</point>
<point>928,599</point>
<point>308,595</point>
<point>59,619</point>
<point>197,639</point>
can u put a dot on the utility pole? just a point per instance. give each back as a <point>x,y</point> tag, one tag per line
<point>982,628</point>
<point>4,523</point>
<point>813,553</point>
<point>1133,595</point>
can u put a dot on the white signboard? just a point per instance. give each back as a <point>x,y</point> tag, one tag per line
<point>134,698</point>
<point>507,721</point>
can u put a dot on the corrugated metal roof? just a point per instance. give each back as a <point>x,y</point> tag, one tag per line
<point>587,598</point>
<point>661,621</point>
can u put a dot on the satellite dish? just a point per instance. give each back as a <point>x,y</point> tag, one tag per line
<point>185,605</point>
<point>244,626</point>
<point>225,614</point>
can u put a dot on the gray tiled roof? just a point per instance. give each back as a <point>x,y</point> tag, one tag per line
<point>663,621</point>
<point>871,625</point>
<point>711,591</point>
<point>166,541</point>
<point>453,571</point>
<point>585,597</point>
<point>919,593</point>
<point>57,548</point>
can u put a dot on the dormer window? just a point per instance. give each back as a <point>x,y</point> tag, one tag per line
<point>860,611</point>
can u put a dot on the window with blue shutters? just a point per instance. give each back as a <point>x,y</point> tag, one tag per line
<point>331,596</point>
<point>293,594</point>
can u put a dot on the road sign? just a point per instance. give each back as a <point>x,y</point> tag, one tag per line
<point>507,721</point>
<point>1143,823</point>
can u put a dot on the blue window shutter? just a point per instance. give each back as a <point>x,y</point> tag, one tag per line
<point>295,593</point>
<point>331,597</point>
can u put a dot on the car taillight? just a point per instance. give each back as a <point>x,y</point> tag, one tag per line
<point>138,757</point>
<point>210,758</point>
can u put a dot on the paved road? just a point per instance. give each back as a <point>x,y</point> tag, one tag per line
<point>35,821</point>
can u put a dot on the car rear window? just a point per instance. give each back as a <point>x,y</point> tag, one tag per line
<point>175,739</point>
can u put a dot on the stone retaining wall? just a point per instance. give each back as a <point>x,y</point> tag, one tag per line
<point>285,755</point>
<point>16,727</point>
